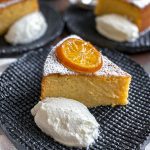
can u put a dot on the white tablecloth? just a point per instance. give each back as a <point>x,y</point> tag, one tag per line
<point>5,144</point>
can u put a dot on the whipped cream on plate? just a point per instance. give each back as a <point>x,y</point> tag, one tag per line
<point>28,29</point>
<point>117,27</point>
<point>67,121</point>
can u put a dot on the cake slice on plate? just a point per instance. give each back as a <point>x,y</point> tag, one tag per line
<point>12,10</point>
<point>106,85</point>
<point>138,11</point>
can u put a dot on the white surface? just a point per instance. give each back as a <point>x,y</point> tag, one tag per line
<point>5,144</point>
<point>147,147</point>
<point>117,27</point>
<point>67,121</point>
<point>4,63</point>
<point>28,29</point>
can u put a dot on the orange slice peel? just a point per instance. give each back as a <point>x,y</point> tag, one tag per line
<point>79,55</point>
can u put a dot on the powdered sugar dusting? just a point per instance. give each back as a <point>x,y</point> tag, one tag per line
<point>140,3</point>
<point>8,3</point>
<point>53,66</point>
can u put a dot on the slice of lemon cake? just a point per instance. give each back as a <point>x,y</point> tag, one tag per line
<point>109,85</point>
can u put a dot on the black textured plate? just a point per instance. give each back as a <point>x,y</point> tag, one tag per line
<point>55,28</point>
<point>82,23</point>
<point>122,128</point>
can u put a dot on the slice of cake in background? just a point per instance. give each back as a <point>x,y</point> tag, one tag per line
<point>138,11</point>
<point>12,10</point>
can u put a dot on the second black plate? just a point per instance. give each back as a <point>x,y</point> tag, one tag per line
<point>82,23</point>
<point>55,28</point>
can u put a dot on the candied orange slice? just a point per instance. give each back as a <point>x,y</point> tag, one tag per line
<point>79,55</point>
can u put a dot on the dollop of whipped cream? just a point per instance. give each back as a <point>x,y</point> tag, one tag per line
<point>117,27</point>
<point>28,29</point>
<point>67,121</point>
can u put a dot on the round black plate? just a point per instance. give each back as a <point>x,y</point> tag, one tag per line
<point>82,23</point>
<point>121,128</point>
<point>55,28</point>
